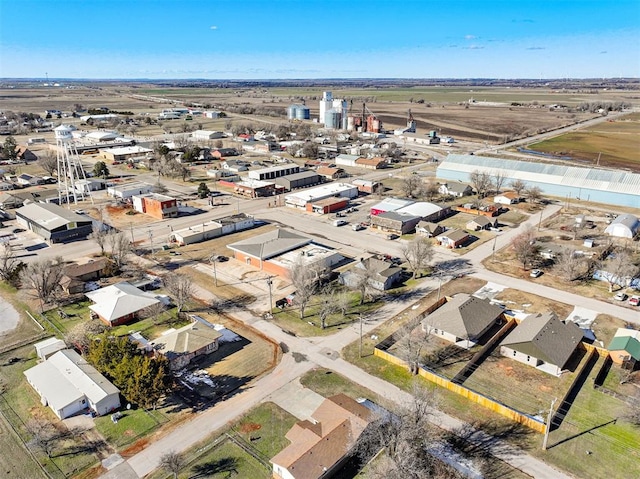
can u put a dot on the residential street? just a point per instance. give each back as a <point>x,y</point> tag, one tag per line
<point>325,352</point>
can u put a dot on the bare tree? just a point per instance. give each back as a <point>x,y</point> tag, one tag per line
<point>411,186</point>
<point>154,311</point>
<point>418,253</point>
<point>43,278</point>
<point>524,246</point>
<point>100,235</point>
<point>620,268</point>
<point>172,462</point>
<point>364,274</point>
<point>120,246</point>
<point>481,182</point>
<point>81,335</point>
<point>44,435</point>
<point>518,186</point>
<point>180,287</point>
<point>410,346</point>
<point>499,180</point>
<point>571,266</point>
<point>430,189</point>
<point>48,162</point>
<point>405,436</point>
<point>8,262</point>
<point>343,302</point>
<point>328,306</point>
<point>304,278</point>
<point>534,194</point>
<point>159,188</point>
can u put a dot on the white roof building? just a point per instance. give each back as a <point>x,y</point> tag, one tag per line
<point>420,208</point>
<point>127,190</point>
<point>101,136</point>
<point>118,303</point>
<point>624,226</point>
<point>68,384</point>
<point>301,198</point>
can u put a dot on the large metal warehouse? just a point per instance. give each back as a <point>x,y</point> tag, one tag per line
<point>592,184</point>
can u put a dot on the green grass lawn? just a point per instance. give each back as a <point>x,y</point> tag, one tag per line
<point>76,313</point>
<point>289,318</point>
<point>262,430</point>
<point>134,424</point>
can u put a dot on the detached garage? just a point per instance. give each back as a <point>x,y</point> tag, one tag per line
<point>624,226</point>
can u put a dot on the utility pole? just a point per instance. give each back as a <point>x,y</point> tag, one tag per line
<point>360,335</point>
<point>131,226</point>
<point>540,221</point>
<point>493,252</point>
<point>440,282</point>
<point>215,274</point>
<point>151,240</point>
<point>548,428</point>
<point>269,283</point>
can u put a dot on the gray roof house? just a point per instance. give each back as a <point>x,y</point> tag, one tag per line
<point>181,345</point>
<point>463,319</point>
<point>542,341</point>
<point>384,277</point>
<point>68,385</point>
<point>455,189</point>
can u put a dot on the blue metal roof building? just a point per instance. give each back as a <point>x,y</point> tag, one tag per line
<point>613,187</point>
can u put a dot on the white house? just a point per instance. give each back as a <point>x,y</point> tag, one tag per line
<point>207,135</point>
<point>624,226</point>
<point>507,198</point>
<point>68,385</point>
<point>119,303</point>
<point>455,189</point>
<point>346,160</point>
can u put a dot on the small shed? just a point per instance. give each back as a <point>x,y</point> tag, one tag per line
<point>50,346</point>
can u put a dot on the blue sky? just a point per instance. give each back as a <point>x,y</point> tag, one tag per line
<point>250,39</point>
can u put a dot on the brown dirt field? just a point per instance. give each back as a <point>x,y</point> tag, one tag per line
<point>248,427</point>
<point>515,299</point>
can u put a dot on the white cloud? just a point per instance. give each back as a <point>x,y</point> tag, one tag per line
<point>213,27</point>
<point>470,37</point>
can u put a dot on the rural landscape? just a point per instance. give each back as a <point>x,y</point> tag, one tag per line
<point>238,271</point>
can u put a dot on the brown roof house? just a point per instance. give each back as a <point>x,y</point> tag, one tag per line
<point>330,173</point>
<point>428,229</point>
<point>75,275</point>
<point>481,222</point>
<point>542,341</point>
<point>463,320</point>
<point>320,446</point>
<point>181,345</point>
<point>453,238</point>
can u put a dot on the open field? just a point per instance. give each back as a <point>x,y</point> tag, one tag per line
<point>616,142</point>
<point>447,109</point>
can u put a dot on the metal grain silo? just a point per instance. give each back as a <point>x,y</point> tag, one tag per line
<point>332,119</point>
<point>292,111</point>
<point>302,113</point>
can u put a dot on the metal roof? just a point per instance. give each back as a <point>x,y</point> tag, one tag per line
<point>576,176</point>
<point>49,215</point>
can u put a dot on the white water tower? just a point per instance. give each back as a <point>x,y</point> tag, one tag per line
<point>72,182</point>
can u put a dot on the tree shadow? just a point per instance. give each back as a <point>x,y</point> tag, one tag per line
<point>486,438</point>
<point>453,266</point>
<point>226,464</point>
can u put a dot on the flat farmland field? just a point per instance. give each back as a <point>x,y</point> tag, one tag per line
<point>616,142</point>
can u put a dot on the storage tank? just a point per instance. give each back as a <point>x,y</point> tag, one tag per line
<point>292,111</point>
<point>373,124</point>
<point>332,119</point>
<point>302,113</point>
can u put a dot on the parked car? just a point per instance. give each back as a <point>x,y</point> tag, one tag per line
<point>620,296</point>
<point>357,227</point>
<point>634,300</point>
<point>339,223</point>
<point>536,273</point>
<point>18,230</point>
